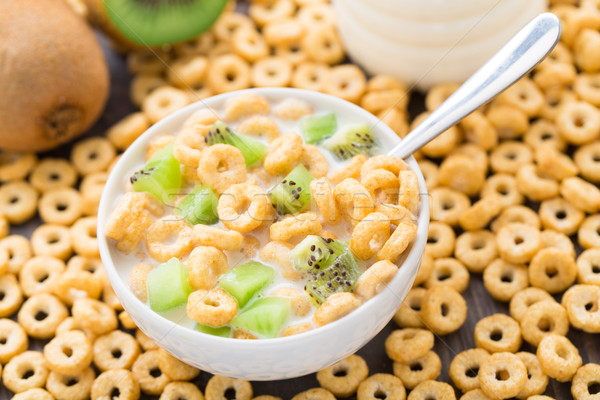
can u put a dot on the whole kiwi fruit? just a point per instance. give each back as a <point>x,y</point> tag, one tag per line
<point>53,75</point>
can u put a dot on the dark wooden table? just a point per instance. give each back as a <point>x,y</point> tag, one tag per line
<point>479,301</point>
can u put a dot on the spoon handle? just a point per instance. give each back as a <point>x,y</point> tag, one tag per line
<point>523,52</point>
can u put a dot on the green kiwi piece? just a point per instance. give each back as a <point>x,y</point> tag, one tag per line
<point>154,22</point>
<point>222,331</point>
<point>264,317</point>
<point>161,176</point>
<point>318,127</point>
<point>252,149</point>
<point>199,206</point>
<point>315,253</point>
<point>340,276</point>
<point>246,280</point>
<point>292,194</point>
<point>351,140</point>
<point>168,285</point>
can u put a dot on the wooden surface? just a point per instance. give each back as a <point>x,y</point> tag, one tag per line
<point>479,301</point>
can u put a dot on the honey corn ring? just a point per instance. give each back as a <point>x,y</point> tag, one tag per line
<point>221,166</point>
<point>353,199</point>
<point>293,225</point>
<point>322,194</point>
<point>160,231</point>
<point>370,235</point>
<point>401,238</point>
<point>243,207</point>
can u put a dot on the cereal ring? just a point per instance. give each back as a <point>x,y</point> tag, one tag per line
<point>525,95</point>
<point>279,252</point>
<point>438,94</point>
<point>443,144</point>
<point>403,345</point>
<point>517,242</point>
<point>92,265</point>
<point>369,236</point>
<point>113,381</point>
<point>124,132</point>
<point>345,81</point>
<point>476,249</point>
<point>387,162</point>
<point>440,240</point>
<point>69,353</point>
<point>578,122</point>
<point>342,378</point>
<point>558,357</point>
<point>582,305</point>
<point>145,342</point>
<point>430,174</point>
<point>232,170</point>
<point>115,350</point>
<point>583,195</point>
<point>558,240</point>
<point>524,299</point>
<point>518,213</point>
<point>586,158</point>
<point>163,101</point>
<point>314,161</point>
<point>396,213</point>
<point>447,205</point>
<point>243,207</point>
<point>222,239</point>
<point>443,310</point>
<point>504,186</point>
<point>351,170</point>
<point>475,152</point>
<point>401,238</point>
<point>41,314</point>
<point>33,394</point>
<point>188,145</point>
<point>218,385</point>
<point>91,189</point>
<point>353,199</point>
<point>283,154</point>
<point>544,132</point>
<point>553,163</point>
<point>143,85</point>
<point>418,370</point>
<point>53,173</point>
<point>147,373</point>
<point>94,316</point>
<point>431,389</point>
<point>543,318</point>
<point>588,235</point>
<point>510,122</point>
<point>12,296</point>
<point>409,312</point>
<point>25,371</point>
<point>502,375</point>
<point>181,390</point>
<point>537,380</point>
<point>274,71</point>
<point>498,333</point>
<point>322,194</point>
<point>324,45</point>
<point>228,72</point>
<point>52,240</point>
<point>479,130</point>
<point>509,156</point>
<point>385,101</point>
<point>75,387</point>
<point>39,274</point>
<point>72,285</point>
<point>480,213</point>
<point>298,299</point>
<point>92,155</point>
<point>83,237</point>
<point>161,231</point>
<point>60,206</point>
<point>553,270</point>
<point>301,224</point>
<point>214,308</point>
<point>315,394</point>
<point>503,280</point>
<point>310,76</point>
<point>249,44</point>
<point>588,267</point>
<point>375,279</point>
<point>259,125</point>
<point>18,201</point>
<point>205,265</point>
<point>381,385</point>
<point>585,382</point>
<point>16,166</point>
<point>464,368</point>
<point>174,368</point>
<point>335,307</point>
<point>560,215</point>
<point>448,272</point>
<point>460,172</point>
<point>13,340</point>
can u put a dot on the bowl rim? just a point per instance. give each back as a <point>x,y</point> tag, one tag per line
<point>115,179</point>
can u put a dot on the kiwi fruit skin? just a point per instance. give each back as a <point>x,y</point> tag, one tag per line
<point>53,75</point>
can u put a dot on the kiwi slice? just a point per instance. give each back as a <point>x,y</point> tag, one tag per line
<point>318,127</point>
<point>340,276</point>
<point>315,253</point>
<point>222,331</point>
<point>264,317</point>
<point>154,22</point>
<point>292,194</point>
<point>351,140</point>
<point>168,285</point>
<point>252,150</point>
<point>199,206</point>
<point>161,176</point>
<point>244,281</point>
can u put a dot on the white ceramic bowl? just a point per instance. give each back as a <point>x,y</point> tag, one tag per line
<point>265,359</point>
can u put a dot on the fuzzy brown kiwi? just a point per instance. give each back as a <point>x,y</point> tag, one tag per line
<point>53,75</point>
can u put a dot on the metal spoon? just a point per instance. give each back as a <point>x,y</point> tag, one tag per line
<point>523,52</point>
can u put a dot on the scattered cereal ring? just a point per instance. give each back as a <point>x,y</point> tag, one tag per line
<point>218,385</point>
<point>444,310</point>
<point>381,384</point>
<point>83,237</point>
<point>502,375</point>
<point>448,272</point>
<point>120,380</point>
<point>343,378</point>
<point>582,303</point>
<point>13,295</point>
<point>517,213</point>
<point>503,280</point>
<point>76,387</point>
<point>53,173</point>
<point>16,166</point>
<point>227,73</point>
<point>588,267</point>
<point>273,71</point>
<point>432,389</point>
<point>18,201</point>
<point>584,382</point>
<point>147,373</point>
<point>310,76</point>
<point>498,333</point>
<point>52,240</point>
<point>447,205</point>
<point>69,353</point>
<point>94,316</point>
<point>15,376</point>
<point>524,299</point>
<point>440,240</point>
<point>518,242</point>
<point>14,340</point>
<point>40,315</point>
<point>413,372</point>
<point>464,368</point>
<point>553,270</point>
<point>345,81</point>
<point>409,312</point>
<point>407,344</point>
<point>324,45</point>
<point>39,274</point>
<point>543,318</point>
<point>92,155</point>
<point>73,284</point>
<point>588,234</point>
<point>476,249</point>
<point>537,380</point>
<point>559,358</point>
<point>115,350</point>
<point>181,390</point>
<point>60,206</point>
<point>460,172</point>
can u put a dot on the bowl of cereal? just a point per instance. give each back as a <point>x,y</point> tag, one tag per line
<point>263,234</point>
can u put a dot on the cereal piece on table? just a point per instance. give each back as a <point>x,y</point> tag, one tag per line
<point>504,186</point>
<point>69,324</point>
<point>126,321</point>
<point>77,386</point>
<point>401,238</point>
<point>585,381</point>
<point>559,358</point>
<point>115,379</point>
<point>71,285</point>
<point>578,122</point>
<point>175,369</point>
<point>518,213</point>
<point>588,234</point>
<point>94,316</point>
<point>247,197</point>
<point>162,102</point>
<point>560,215</point>
<point>586,158</point>
<point>115,350</point>
<point>498,333</point>
<point>275,71</point>
<point>343,378</point>
<point>582,303</point>
<point>510,122</point>
<point>60,206</point>
<point>544,132</point>
<point>553,270</point>
<point>409,312</point>
<point>91,188</point>
<point>461,173</point>
<point>92,155</point>
<point>588,267</point>
<point>537,380</point>
<point>476,249</point>
<point>481,213</point>
<point>227,73</point>
<point>218,385</point>
<point>524,299</point>
<point>310,76</point>
<point>379,384</point>
<point>375,279</point>
<point>53,173</point>
<point>83,237</point>
<point>396,119</point>
<point>52,240</point>
<point>92,265</point>
<point>222,239</point>
<point>525,95</point>
<point>407,344</point>
<point>440,240</point>
<point>554,163</point>
<point>517,242</point>
<point>39,274</point>
<point>18,201</point>
<point>503,280</point>
<point>13,375</point>
<point>479,130</point>
<point>142,85</point>
<point>144,372</point>
<point>16,166</point>
<point>370,235</point>
<point>110,297</point>
<point>214,308</point>
<point>502,375</point>
<point>69,353</point>
<point>464,368</point>
<point>345,81</point>
<point>448,272</point>
<point>583,195</point>
<point>45,306</point>
<point>145,342</point>
<point>475,394</point>
<point>432,389</point>
<point>509,156</point>
<point>543,318</point>
<point>418,370</point>
<point>335,307</point>
<point>249,44</point>
<point>15,340</point>
<point>301,224</point>
<point>447,205</point>
<point>444,310</point>
<point>437,94</point>
<point>324,45</point>
<point>551,238</point>
<point>13,295</point>
<point>124,132</point>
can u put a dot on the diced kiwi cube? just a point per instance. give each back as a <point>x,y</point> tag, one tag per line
<point>318,127</point>
<point>222,331</point>
<point>168,285</point>
<point>252,149</point>
<point>292,194</point>
<point>199,206</point>
<point>264,317</point>
<point>161,176</point>
<point>244,281</point>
